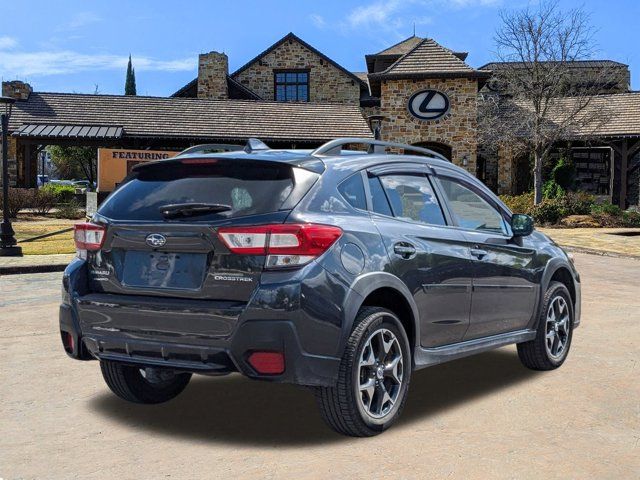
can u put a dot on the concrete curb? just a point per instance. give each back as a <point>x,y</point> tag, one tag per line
<point>20,269</point>
<point>591,251</point>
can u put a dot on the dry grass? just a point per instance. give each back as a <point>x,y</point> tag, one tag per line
<point>28,226</point>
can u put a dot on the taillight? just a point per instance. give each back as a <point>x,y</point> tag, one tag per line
<point>286,245</point>
<point>88,236</point>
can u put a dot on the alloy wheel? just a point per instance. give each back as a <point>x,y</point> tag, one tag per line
<point>557,328</point>
<point>381,372</point>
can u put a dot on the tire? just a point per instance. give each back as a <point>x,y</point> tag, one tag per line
<point>131,384</point>
<point>537,354</point>
<point>344,406</point>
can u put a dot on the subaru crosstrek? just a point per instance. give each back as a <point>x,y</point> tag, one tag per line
<point>337,269</point>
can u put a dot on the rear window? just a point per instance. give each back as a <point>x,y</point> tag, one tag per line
<point>248,188</point>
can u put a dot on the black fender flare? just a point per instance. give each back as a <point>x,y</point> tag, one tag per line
<point>553,265</point>
<point>361,287</point>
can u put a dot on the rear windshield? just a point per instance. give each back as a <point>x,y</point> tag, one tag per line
<point>247,187</point>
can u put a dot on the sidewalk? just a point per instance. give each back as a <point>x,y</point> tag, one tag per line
<point>35,263</point>
<point>621,242</point>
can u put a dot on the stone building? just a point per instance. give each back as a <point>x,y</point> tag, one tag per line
<point>291,94</point>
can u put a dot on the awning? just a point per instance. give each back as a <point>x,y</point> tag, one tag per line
<point>68,131</point>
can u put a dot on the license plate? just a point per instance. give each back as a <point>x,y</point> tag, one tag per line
<point>164,270</point>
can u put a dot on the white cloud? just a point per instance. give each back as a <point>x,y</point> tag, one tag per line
<point>7,43</point>
<point>379,12</point>
<point>317,20</point>
<point>22,64</point>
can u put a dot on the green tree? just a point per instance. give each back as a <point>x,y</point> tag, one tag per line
<point>130,82</point>
<point>75,162</point>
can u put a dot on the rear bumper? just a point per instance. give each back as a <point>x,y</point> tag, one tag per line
<point>193,341</point>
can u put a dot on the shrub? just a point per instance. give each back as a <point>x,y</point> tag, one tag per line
<point>551,189</point>
<point>19,199</point>
<point>550,211</point>
<point>631,218</point>
<point>63,193</point>
<point>578,203</point>
<point>70,210</point>
<point>43,201</point>
<point>519,203</point>
<point>606,209</point>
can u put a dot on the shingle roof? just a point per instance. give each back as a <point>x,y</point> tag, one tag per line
<point>429,58</point>
<point>402,47</point>
<point>194,118</point>
<point>574,64</point>
<point>621,112</point>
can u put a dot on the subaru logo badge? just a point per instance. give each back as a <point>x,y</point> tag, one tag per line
<point>156,240</point>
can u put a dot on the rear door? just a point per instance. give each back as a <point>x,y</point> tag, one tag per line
<point>430,258</point>
<point>161,227</point>
<point>504,287</point>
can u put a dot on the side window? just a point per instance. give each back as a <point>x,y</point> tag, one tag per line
<point>352,189</point>
<point>378,197</point>
<point>412,198</point>
<point>469,209</point>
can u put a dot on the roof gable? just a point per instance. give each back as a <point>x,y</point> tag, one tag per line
<point>428,56</point>
<point>292,37</point>
<point>402,47</point>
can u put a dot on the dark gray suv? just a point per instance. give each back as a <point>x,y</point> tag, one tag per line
<point>340,270</point>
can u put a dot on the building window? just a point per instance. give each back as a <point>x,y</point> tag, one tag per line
<point>292,86</point>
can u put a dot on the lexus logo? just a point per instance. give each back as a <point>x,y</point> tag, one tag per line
<point>156,240</point>
<point>428,104</point>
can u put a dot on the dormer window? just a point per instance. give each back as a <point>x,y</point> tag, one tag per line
<point>291,86</point>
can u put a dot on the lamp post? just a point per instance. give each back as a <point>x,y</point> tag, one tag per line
<point>8,242</point>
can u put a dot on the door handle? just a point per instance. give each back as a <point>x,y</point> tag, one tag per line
<point>478,253</point>
<point>404,249</point>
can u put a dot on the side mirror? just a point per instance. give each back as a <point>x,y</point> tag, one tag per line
<point>521,225</point>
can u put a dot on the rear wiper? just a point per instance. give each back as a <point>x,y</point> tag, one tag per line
<point>190,209</point>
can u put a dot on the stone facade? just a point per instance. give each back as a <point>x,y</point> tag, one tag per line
<point>457,129</point>
<point>327,83</point>
<point>16,89</point>
<point>20,91</point>
<point>213,68</point>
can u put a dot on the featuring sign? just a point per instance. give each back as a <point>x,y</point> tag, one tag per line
<point>115,164</point>
<point>428,105</point>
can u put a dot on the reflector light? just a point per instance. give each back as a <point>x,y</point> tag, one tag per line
<point>88,236</point>
<point>287,245</point>
<point>67,341</point>
<point>267,363</point>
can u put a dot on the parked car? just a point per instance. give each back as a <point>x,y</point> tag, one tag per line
<point>340,270</point>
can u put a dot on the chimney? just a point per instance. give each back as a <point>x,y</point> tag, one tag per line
<point>213,68</point>
<point>16,89</point>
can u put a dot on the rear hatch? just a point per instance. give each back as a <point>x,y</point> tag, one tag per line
<point>161,237</point>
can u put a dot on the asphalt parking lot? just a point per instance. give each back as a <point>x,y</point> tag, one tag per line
<point>480,417</point>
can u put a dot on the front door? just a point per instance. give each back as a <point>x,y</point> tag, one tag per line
<point>504,288</point>
<point>429,257</point>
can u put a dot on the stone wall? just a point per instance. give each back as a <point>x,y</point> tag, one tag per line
<point>326,82</point>
<point>457,129</point>
<point>213,68</point>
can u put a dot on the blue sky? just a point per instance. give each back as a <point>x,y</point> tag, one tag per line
<point>72,46</point>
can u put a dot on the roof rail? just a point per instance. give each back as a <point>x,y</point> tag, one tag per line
<point>211,148</point>
<point>334,147</point>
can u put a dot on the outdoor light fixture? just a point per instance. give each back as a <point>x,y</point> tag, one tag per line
<point>8,242</point>
<point>375,121</point>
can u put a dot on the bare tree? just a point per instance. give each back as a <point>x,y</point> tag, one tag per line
<point>538,96</point>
